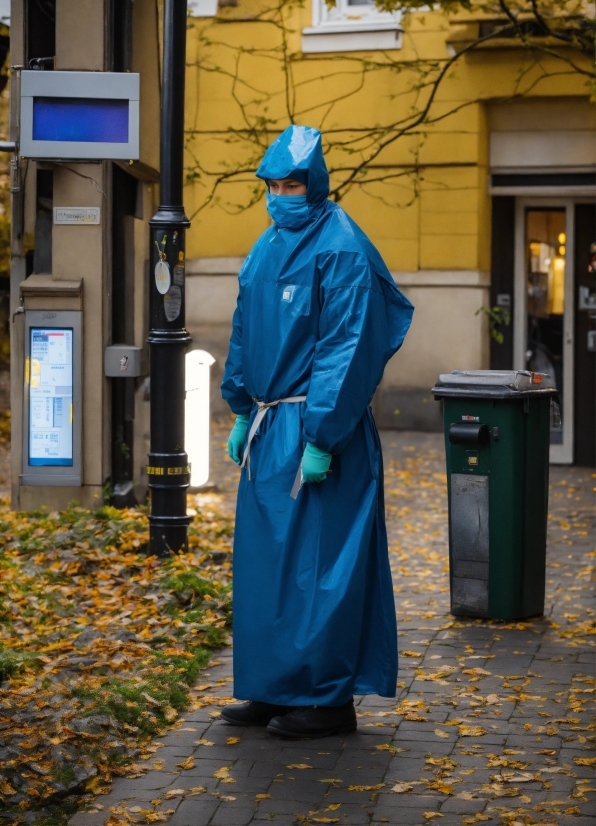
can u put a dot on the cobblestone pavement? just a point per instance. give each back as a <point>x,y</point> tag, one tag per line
<point>491,723</point>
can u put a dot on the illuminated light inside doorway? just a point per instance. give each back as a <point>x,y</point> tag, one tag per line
<point>197,416</point>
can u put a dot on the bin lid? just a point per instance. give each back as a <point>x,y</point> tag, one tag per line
<point>495,383</point>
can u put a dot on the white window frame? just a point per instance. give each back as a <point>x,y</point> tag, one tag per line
<point>345,18</point>
<point>202,8</point>
<point>351,28</point>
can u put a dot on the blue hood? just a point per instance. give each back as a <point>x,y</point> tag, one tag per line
<point>298,154</point>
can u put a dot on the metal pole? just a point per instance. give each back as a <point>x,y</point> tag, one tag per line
<point>168,470</point>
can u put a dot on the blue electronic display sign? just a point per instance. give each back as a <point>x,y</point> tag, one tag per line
<point>86,115</point>
<point>87,120</point>
<point>50,396</point>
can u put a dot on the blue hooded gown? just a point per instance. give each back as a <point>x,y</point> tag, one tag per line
<point>319,315</point>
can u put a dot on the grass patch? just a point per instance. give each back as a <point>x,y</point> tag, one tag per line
<point>9,664</point>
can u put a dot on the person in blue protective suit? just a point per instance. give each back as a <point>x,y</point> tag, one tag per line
<point>318,317</point>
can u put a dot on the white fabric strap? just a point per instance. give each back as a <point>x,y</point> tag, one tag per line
<point>298,482</point>
<point>263,407</point>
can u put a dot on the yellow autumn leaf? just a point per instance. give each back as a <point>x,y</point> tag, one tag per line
<point>196,790</point>
<point>440,733</point>
<point>231,741</point>
<point>386,747</point>
<point>366,788</point>
<point>333,807</point>
<point>298,766</point>
<point>331,780</point>
<point>203,742</point>
<point>262,797</point>
<point>444,762</point>
<point>325,819</point>
<point>222,773</point>
<point>174,793</point>
<point>6,788</point>
<point>410,654</point>
<point>187,764</point>
<point>584,761</point>
<point>169,714</point>
<point>471,731</point>
<point>441,787</point>
<point>430,815</point>
<point>158,817</point>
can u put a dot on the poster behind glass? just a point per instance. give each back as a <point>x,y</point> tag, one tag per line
<point>50,397</point>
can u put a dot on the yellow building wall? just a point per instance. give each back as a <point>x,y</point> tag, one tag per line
<point>431,212</point>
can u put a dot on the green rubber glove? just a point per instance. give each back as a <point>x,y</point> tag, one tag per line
<point>315,464</point>
<point>238,437</point>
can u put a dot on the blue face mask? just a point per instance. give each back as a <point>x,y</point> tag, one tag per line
<point>288,211</point>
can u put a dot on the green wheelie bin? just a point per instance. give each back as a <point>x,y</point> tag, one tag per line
<point>497,434</point>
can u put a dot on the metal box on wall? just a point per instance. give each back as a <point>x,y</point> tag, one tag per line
<point>122,361</point>
<point>86,115</point>
<point>497,427</point>
<point>52,398</point>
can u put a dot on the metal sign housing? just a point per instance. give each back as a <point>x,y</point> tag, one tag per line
<point>52,398</point>
<point>79,115</point>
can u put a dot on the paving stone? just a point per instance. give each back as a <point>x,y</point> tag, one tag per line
<point>88,819</point>
<point>194,812</point>
<point>232,816</point>
<point>460,806</point>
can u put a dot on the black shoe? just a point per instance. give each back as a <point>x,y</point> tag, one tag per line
<point>315,721</point>
<point>252,713</point>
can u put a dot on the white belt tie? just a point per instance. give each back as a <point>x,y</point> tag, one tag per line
<point>263,407</point>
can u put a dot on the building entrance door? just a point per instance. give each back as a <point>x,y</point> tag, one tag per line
<point>543,332</point>
<point>584,450</point>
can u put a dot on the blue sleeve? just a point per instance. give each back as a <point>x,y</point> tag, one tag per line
<point>232,386</point>
<point>363,322</point>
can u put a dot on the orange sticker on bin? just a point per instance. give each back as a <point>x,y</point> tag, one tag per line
<point>537,378</point>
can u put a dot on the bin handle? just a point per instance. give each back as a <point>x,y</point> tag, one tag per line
<point>468,433</point>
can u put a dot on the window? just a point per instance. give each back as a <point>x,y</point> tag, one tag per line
<point>346,15</point>
<point>351,25</point>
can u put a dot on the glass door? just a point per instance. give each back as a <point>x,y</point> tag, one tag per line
<point>543,306</point>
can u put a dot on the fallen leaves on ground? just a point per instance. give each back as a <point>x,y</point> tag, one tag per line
<point>471,731</point>
<point>99,645</point>
<point>400,788</point>
<point>189,763</point>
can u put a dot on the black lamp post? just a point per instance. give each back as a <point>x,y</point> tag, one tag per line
<point>168,470</point>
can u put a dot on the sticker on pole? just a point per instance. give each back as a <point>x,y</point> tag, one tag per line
<point>163,278</point>
<point>172,303</point>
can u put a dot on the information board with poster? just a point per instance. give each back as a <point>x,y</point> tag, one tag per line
<point>53,398</point>
<point>50,397</point>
